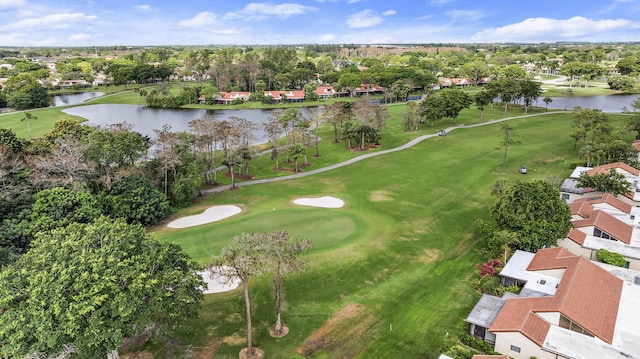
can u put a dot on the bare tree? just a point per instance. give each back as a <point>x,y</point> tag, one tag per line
<point>284,255</point>
<point>244,259</point>
<point>167,144</point>
<point>206,142</point>
<point>273,129</point>
<point>64,165</point>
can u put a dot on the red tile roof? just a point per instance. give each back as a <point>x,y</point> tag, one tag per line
<point>606,198</point>
<point>636,144</point>
<point>577,236</point>
<point>608,224</point>
<point>616,165</point>
<point>587,294</point>
<point>582,209</point>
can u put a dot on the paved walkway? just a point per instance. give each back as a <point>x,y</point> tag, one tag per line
<point>363,157</point>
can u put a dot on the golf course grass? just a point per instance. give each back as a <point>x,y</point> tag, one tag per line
<point>391,275</point>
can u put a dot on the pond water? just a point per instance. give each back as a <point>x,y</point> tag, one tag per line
<point>608,103</point>
<point>145,119</point>
<point>74,98</point>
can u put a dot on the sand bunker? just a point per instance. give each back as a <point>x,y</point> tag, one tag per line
<point>324,202</point>
<point>218,283</point>
<point>211,214</point>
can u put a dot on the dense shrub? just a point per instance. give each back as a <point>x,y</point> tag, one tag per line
<point>478,344</point>
<point>615,259</point>
<point>459,352</point>
<point>490,285</point>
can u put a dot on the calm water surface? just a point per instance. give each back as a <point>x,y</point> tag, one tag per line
<point>145,119</point>
<point>74,99</point>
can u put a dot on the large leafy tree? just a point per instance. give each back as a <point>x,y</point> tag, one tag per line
<point>454,102</point>
<point>134,199</point>
<point>89,286</point>
<point>350,81</point>
<point>611,182</point>
<point>114,150</point>
<point>535,211</point>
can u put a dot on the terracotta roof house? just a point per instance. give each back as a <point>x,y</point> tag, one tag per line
<point>568,307</point>
<point>324,92</point>
<point>291,96</point>
<point>368,89</point>
<point>226,98</point>
<point>604,222</point>
<point>456,81</point>
<point>570,190</point>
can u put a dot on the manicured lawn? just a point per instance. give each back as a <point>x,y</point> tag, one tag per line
<point>403,278</point>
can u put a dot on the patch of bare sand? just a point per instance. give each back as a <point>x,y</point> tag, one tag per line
<point>380,196</point>
<point>430,255</point>
<point>344,335</point>
<point>235,339</point>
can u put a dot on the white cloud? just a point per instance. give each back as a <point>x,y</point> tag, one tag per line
<point>260,11</point>
<point>9,4</point>
<point>545,29</point>
<point>203,19</point>
<point>58,21</point>
<point>365,18</point>
<point>230,32</point>
<point>79,37</point>
<point>327,38</point>
<point>389,12</point>
<point>465,15</point>
<point>143,7</point>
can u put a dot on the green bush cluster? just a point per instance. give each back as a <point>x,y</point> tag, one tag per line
<point>477,344</point>
<point>615,259</point>
<point>490,285</point>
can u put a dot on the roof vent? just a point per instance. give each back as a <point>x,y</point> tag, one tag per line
<point>543,282</point>
<point>637,280</point>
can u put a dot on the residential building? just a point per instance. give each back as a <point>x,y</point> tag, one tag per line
<point>604,222</point>
<point>325,92</point>
<point>568,307</point>
<point>570,190</point>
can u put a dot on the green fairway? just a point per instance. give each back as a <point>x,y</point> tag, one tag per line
<point>323,227</point>
<point>392,273</point>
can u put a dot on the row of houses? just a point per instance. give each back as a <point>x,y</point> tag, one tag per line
<point>323,92</point>
<point>570,305</point>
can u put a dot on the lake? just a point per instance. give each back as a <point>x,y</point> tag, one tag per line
<point>74,98</point>
<point>145,119</point>
<point>608,103</point>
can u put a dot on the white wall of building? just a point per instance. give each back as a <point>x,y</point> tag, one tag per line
<point>528,349</point>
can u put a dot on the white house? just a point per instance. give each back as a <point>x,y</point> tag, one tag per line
<point>569,307</point>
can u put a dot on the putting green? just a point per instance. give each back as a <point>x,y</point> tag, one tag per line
<point>323,227</point>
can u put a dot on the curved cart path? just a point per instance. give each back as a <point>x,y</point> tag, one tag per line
<point>409,144</point>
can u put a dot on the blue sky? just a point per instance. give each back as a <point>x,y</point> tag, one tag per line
<point>196,22</point>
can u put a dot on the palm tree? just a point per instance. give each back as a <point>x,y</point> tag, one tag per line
<point>27,118</point>
<point>588,152</point>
